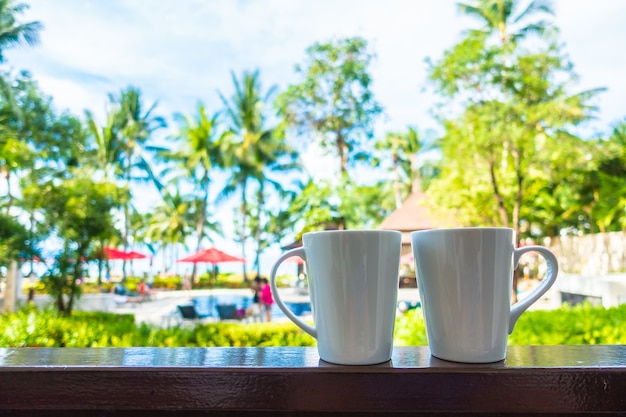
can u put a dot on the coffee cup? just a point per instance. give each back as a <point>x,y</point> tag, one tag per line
<point>465,278</point>
<point>353,285</point>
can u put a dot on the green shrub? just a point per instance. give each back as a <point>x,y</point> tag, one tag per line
<point>582,324</point>
<point>410,329</point>
<point>167,283</point>
<point>29,327</point>
<point>47,328</point>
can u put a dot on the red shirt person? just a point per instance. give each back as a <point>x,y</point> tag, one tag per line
<point>266,299</point>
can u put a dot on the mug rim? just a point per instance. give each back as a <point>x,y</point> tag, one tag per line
<point>352,231</point>
<point>463,229</point>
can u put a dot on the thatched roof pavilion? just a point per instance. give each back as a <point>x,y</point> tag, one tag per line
<point>415,214</point>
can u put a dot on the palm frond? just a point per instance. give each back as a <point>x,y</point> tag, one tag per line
<point>535,7</point>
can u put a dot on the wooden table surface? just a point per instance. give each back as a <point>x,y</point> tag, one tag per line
<point>541,380</point>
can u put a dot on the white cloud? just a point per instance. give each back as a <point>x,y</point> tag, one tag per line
<point>181,52</point>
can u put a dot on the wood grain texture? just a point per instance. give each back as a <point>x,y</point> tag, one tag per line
<point>541,380</point>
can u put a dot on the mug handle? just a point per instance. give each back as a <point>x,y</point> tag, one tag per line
<point>552,270</point>
<point>293,252</point>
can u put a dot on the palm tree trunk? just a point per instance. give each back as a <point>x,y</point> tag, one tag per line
<point>342,154</point>
<point>244,216</point>
<point>201,222</point>
<point>7,176</point>
<point>516,216</point>
<point>260,203</point>
<point>397,188</point>
<point>504,218</point>
<point>415,175</point>
<point>78,271</point>
<point>126,216</point>
<point>99,273</point>
<point>164,260</point>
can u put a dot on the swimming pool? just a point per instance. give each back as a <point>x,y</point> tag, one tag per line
<point>207,305</point>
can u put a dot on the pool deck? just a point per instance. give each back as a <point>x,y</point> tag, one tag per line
<point>162,310</point>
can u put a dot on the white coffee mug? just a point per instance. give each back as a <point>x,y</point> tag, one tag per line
<point>353,285</point>
<point>465,279</point>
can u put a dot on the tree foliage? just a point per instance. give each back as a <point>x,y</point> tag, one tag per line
<point>13,240</point>
<point>506,150</point>
<point>256,154</point>
<point>333,103</point>
<point>606,184</point>
<point>328,205</point>
<point>78,212</point>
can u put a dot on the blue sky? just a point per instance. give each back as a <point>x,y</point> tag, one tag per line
<point>181,52</point>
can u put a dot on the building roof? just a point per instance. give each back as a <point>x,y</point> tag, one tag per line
<point>415,214</point>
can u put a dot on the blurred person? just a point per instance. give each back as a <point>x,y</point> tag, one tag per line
<point>255,309</point>
<point>266,299</point>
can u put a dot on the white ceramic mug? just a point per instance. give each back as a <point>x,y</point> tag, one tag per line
<point>353,285</point>
<point>465,279</point>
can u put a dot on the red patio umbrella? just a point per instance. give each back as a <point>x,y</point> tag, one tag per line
<point>115,254</point>
<point>136,255</point>
<point>211,256</point>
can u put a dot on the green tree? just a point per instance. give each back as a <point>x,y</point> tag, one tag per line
<point>105,154</point>
<point>277,160</point>
<point>495,152</point>
<point>253,149</point>
<point>403,148</point>
<point>326,204</point>
<point>508,19</point>
<point>172,222</point>
<point>34,139</point>
<point>608,209</point>
<point>12,32</point>
<point>269,225</point>
<point>197,159</point>
<point>37,144</point>
<point>514,115</point>
<point>13,240</point>
<point>14,155</point>
<point>77,211</point>
<point>333,102</point>
<point>103,157</point>
<point>475,69</point>
<point>135,125</point>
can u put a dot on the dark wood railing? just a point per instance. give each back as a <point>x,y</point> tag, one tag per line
<point>541,380</point>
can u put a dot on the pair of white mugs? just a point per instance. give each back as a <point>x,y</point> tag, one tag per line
<point>464,278</point>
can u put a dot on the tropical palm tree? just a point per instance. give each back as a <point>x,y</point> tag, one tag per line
<point>508,19</point>
<point>404,147</point>
<point>135,127</point>
<point>107,145</point>
<point>411,147</point>
<point>276,159</point>
<point>392,142</point>
<point>242,166</point>
<point>171,222</point>
<point>13,33</point>
<point>253,146</point>
<point>199,155</point>
<point>14,154</point>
